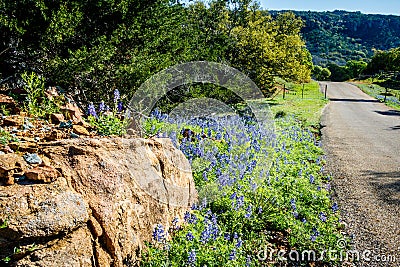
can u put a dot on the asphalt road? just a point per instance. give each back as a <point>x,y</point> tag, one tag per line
<point>361,138</point>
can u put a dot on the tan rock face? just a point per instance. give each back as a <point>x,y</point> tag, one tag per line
<point>80,130</point>
<point>46,174</point>
<point>9,165</point>
<point>111,194</point>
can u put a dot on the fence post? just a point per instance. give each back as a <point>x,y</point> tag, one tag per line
<point>386,91</point>
<point>284,91</point>
<point>302,92</point>
<point>326,89</point>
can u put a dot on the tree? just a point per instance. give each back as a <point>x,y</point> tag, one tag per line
<point>355,67</point>
<point>321,74</point>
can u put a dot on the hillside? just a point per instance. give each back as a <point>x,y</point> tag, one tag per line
<point>339,36</point>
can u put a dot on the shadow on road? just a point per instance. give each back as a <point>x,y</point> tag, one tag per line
<point>353,100</point>
<point>388,113</point>
<point>388,190</point>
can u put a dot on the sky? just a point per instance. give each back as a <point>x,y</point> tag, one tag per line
<point>367,6</point>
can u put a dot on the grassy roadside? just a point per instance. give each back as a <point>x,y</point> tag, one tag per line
<point>304,107</point>
<point>378,92</point>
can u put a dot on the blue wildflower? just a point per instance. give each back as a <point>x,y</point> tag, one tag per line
<point>322,217</point>
<point>239,243</point>
<point>92,110</point>
<point>102,107</point>
<point>227,236</point>
<point>158,233</point>
<point>189,236</point>
<point>232,255</point>
<point>260,210</point>
<point>117,96</point>
<point>120,106</point>
<point>312,179</point>
<point>192,257</point>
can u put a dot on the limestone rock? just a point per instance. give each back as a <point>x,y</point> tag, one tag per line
<point>40,211</point>
<point>30,147</point>
<point>72,112</point>
<point>10,164</point>
<point>109,195</point>
<point>46,174</point>
<point>80,130</point>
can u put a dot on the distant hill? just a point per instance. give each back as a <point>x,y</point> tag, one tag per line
<point>339,36</point>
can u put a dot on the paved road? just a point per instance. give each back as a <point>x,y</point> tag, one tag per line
<point>362,140</point>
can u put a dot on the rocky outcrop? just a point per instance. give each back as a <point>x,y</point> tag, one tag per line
<point>103,200</point>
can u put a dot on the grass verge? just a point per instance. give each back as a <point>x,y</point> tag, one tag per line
<point>305,105</point>
<point>378,92</point>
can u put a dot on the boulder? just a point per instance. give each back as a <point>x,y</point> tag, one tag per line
<point>80,130</point>
<point>109,196</point>
<point>9,165</point>
<point>46,174</point>
<point>72,112</point>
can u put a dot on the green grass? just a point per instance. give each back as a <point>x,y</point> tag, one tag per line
<point>378,92</point>
<point>306,109</point>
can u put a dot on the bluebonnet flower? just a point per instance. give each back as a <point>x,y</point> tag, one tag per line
<point>239,243</point>
<point>295,214</point>
<point>335,207</point>
<point>303,220</point>
<point>117,96</point>
<point>293,203</point>
<point>192,257</point>
<point>239,202</point>
<point>102,107</point>
<point>189,236</point>
<point>249,211</point>
<point>322,217</point>
<point>314,235</point>
<point>120,106</point>
<point>312,179</point>
<point>92,110</point>
<point>232,255</point>
<point>227,236</point>
<point>190,218</point>
<point>248,260</point>
<point>158,233</point>
<point>259,210</point>
<point>205,176</point>
<point>205,235</point>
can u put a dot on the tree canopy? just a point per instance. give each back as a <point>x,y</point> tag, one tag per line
<point>92,47</point>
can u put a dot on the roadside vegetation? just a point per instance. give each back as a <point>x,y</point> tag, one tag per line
<point>262,188</point>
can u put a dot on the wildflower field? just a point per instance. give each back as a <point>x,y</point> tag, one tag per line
<point>261,188</point>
